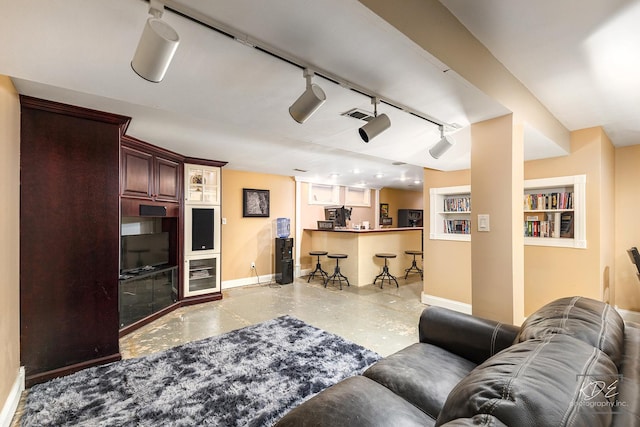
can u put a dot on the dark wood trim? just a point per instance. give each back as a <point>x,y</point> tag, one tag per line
<point>130,206</point>
<point>75,111</point>
<point>204,162</point>
<point>198,299</point>
<point>142,322</point>
<point>67,370</point>
<point>178,304</point>
<point>144,146</point>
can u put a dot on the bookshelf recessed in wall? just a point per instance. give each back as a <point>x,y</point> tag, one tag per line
<point>450,213</point>
<point>554,212</point>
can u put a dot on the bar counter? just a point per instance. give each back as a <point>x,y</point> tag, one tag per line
<point>362,266</point>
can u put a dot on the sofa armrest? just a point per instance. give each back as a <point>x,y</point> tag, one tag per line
<point>474,338</point>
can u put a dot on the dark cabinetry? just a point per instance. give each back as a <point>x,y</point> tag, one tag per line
<point>145,292</point>
<point>149,173</point>
<point>69,238</point>
<point>284,260</point>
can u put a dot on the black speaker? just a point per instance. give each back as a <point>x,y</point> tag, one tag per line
<point>151,210</point>
<point>202,229</point>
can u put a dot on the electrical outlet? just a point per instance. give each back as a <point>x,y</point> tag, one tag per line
<point>253,265</point>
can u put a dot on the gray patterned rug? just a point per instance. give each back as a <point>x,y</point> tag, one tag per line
<point>248,377</point>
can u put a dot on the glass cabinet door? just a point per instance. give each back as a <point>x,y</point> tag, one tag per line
<point>203,184</point>
<point>202,275</point>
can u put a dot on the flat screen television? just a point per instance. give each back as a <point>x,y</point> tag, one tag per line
<point>339,216</point>
<point>142,250</point>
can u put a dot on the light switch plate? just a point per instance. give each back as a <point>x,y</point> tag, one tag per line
<point>483,222</point>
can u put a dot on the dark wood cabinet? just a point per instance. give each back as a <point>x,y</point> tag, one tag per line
<point>149,173</point>
<point>69,238</point>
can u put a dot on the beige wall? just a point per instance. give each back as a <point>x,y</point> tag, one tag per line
<point>497,256</point>
<point>400,199</point>
<point>10,241</point>
<point>447,264</point>
<point>607,219</point>
<point>552,273</point>
<point>549,272</point>
<point>627,229</point>
<point>252,239</point>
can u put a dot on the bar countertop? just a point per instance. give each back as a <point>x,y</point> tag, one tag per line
<point>375,230</point>
<point>361,265</point>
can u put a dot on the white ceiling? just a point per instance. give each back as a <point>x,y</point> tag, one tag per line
<point>580,58</point>
<point>225,100</point>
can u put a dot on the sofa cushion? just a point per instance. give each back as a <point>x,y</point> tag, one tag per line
<point>422,373</point>
<point>550,381</point>
<point>356,402</point>
<point>589,320</point>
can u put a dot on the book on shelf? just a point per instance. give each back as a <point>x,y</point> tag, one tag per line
<point>457,204</point>
<point>548,201</point>
<point>566,224</point>
<point>457,226</point>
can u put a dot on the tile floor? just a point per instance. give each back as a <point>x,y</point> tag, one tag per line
<point>383,320</point>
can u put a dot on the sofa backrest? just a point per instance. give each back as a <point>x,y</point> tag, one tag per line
<point>588,320</point>
<point>563,369</point>
<point>551,381</point>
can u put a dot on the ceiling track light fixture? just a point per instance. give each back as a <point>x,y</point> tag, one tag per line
<point>156,47</point>
<point>375,126</point>
<point>442,146</point>
<point>310,100</point>
<point>186,12</point>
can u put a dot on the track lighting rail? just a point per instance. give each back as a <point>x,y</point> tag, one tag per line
<point>237,35</point>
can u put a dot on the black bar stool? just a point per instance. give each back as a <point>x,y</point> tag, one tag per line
<point>323,274</point>
<point>414,266</point>
<point>385,270</point>
<point>336,273</point>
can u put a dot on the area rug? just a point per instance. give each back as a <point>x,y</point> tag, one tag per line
<point>248,377</point>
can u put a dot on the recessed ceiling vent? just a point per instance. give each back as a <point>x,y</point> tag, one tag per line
<point>359,114</point>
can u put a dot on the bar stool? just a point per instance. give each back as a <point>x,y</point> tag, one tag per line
<point>336,273</point>
<point>385,270</point>
<point>318,269</point>
<point>414,266</point>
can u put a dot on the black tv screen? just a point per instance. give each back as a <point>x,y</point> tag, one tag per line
<point>142,250</point>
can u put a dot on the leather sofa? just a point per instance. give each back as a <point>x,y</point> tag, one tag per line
<point>574,362</point>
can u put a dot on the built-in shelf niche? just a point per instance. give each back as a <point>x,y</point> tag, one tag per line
<point>574,185</point>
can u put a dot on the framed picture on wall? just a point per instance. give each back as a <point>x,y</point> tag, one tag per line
<point>384,210</point>
<point>255,203</point>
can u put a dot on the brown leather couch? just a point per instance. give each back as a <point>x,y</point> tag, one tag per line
<point>574,362</point>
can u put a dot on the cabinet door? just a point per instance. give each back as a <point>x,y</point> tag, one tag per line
<point>137,170</point>
<point>167,180</point>
<point>202,185</point>
<point>202,275</point>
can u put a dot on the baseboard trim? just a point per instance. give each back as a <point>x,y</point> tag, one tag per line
<point>253,280</point>
<point>11,404</point>
<point>41,377</point>
<point>446,303</point>
<point>248,281</point>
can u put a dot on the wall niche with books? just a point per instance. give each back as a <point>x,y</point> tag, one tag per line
<point>554,212</point>
<point>450,213</point>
